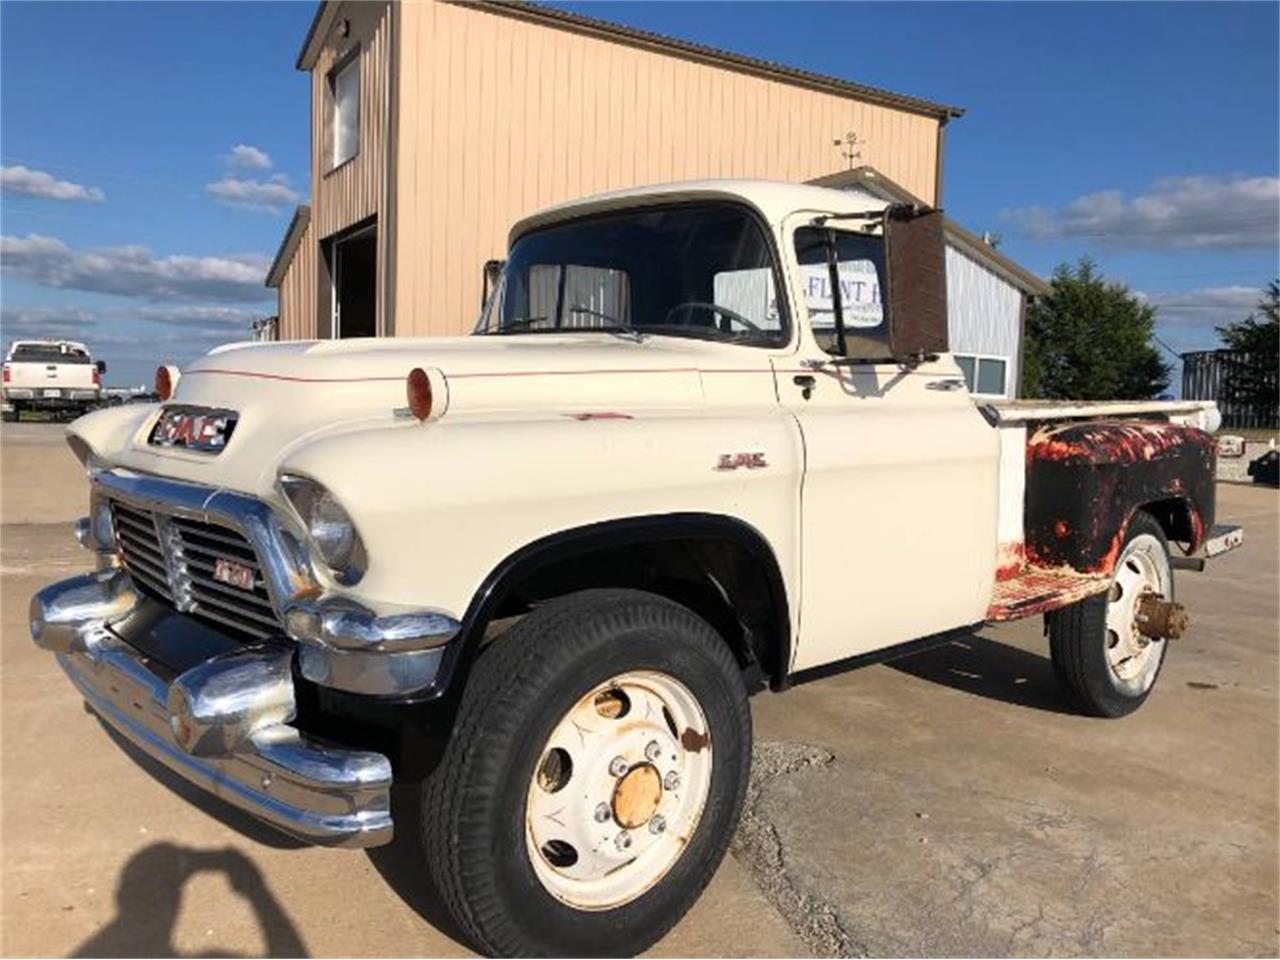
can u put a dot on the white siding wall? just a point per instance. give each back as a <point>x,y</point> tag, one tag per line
<point>983,312</point>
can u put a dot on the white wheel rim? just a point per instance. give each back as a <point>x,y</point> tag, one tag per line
<point>614,799</point>
<point>1134,659</point>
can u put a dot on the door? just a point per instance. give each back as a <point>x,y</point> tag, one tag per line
<point>355,285</point>
<point>898,518</point>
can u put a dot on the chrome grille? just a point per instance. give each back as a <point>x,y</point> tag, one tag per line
<point>173,558</point>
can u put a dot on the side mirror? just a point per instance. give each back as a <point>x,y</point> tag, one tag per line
<point>916,262</point>
<point>101,365</point>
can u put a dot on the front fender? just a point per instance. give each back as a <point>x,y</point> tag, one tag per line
<point>440,505</point>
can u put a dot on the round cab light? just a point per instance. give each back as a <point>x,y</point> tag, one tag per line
<point>164,383</point>
<point>418,387</point>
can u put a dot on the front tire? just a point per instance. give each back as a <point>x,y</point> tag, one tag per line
<point>594,777</point>
<point>1107,666</point>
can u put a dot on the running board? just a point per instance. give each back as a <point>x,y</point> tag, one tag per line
<point>1038,591</point>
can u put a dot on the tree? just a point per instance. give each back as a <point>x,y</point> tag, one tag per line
<point>1252,380</point>
<point>1090,339</point>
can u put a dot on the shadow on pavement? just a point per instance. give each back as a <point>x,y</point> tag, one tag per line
<point>403,864</point>
<point>987,668</point>
<point>219,809</point>
<point>149,896</point>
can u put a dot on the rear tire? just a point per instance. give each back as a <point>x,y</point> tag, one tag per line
<point>649,804</point>
<point>1107,670</point>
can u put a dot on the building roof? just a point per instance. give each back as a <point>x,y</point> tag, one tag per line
<point>289,245</point>
<point>873,181</point>
<point>563,20</point>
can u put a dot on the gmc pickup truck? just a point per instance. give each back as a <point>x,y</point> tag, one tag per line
<point>705,441</point>
<point>52,375</point>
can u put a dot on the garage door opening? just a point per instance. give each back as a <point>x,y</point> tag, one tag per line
<point>355,285</point>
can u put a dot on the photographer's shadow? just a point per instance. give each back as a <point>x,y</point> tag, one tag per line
<point>149,897</point>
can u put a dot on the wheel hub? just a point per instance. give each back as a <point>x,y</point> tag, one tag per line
<point>637,796</point>
<point>618,792</point>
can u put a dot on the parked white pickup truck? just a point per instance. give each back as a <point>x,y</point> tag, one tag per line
<point>706,440</point>
<point>52,375</point>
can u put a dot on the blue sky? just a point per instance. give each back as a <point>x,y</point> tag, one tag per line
<point>1143,135</point>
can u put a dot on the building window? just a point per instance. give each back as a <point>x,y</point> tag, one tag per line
<point>986,376</point>
<point>345,86</point>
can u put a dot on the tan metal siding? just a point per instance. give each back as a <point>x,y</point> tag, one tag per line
<point>499,117</point>
<point>356,190</point>
<point>298,289</point>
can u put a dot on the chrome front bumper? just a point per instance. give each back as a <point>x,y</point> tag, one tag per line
<point>224,724</point>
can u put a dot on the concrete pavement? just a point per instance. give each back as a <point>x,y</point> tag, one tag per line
<point>946,804</point>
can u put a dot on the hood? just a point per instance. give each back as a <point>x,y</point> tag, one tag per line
<point>287,393</point>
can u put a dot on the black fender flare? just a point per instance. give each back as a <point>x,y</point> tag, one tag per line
<point>625,532</point>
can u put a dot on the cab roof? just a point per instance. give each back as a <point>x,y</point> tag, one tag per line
<point>775,199</point>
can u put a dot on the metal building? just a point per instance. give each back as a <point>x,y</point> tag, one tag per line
<point>436,125</point>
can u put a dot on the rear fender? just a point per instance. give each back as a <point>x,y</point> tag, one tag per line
<point>1085,482</point>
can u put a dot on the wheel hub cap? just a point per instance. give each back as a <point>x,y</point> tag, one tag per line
<point>637,795</point>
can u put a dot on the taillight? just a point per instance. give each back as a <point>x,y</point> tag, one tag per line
<point>164,383</point>
<point>97,378</point>
<point>7,375</point>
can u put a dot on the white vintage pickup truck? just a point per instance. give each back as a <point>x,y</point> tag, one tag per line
<point>706,441</point>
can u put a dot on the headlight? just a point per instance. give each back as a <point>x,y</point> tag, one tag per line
<point>330,529</point>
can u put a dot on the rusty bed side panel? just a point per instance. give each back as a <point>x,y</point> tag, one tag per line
<point>1085,481</point>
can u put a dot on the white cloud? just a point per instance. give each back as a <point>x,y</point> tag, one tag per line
<point>1175,212</point>
<point>1185,320</point>
<point>212,318</point>
<point>133,271</point>
<point>245,157</point>
<point>263,196</point>
<point>26,182</point>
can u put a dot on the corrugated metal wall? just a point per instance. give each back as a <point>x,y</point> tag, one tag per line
<point>356,190</point>
<point>499,117</point>
<point>984,312</point>
<point>298,291</point>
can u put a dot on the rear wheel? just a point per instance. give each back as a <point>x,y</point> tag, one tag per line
<point>593,779</point>
<point>1108,665</point>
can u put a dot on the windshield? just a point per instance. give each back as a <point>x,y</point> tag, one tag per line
<point>48,353</point>
<point>696,270</point>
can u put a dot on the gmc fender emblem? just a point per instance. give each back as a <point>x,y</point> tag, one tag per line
<point>732,461</point>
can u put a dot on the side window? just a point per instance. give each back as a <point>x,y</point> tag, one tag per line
<point>859,276</point>
<point>986,376</point>
<point>344,85</point>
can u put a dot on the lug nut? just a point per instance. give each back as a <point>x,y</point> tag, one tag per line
<point>658,824</point>
<point>623,841</point>
<point>617,766</point>
<point>653,751</point>
<point>602,812</point>
<point>671,781</point>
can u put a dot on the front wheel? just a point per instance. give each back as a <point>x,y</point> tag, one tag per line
<point>593,780</point>
<point>1098,651</point>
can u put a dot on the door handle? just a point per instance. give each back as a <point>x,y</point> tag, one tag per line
<point>951,383</point>
<point>806,382</point>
